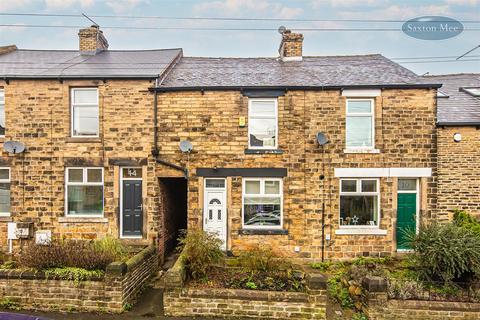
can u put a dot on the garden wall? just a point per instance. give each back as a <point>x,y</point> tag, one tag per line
<point>380,307</point>
<point>233,303</point>
<point>119,286</point>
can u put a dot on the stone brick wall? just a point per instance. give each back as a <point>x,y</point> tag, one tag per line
<point>405,137</point>
<point>180,300</point>
<point>380,307</point>
<point>121,284</point>
<point>38,114</point>
<point>458,171</point>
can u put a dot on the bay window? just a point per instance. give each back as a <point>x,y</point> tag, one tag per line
<point>85,112</point>
<point>360,124</point>
<point>262,203</point>
<point>262,124</point>
<point>84,192</point>
<point>359,202</point>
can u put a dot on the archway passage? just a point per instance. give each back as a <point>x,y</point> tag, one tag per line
<point>173,206</point>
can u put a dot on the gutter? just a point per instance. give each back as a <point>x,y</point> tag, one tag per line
<point>97,77</point>
<point>458,124</point>
<point>236,88</point>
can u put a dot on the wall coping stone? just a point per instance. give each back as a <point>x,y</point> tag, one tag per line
<point>263,232</point>
<point>31,274</point>
<point>375,284</point>
<point>436,305</point>
<point>140,257</point>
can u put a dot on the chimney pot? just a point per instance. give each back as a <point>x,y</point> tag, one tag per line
<point>92,40</point>
<point>291,46</point>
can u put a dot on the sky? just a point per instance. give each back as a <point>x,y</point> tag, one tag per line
<point>254,43</point>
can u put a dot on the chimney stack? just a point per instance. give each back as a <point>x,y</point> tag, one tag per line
<point>92,40</point>
<point>291,46</point>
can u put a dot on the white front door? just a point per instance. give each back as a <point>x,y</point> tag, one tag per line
<point>215,209</point>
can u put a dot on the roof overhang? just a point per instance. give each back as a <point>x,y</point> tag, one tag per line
<point>95,77</point>
<point>458,124</point>
<point>313,88</point>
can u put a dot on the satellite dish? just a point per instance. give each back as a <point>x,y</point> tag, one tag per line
<point>322,139</point>
<point>14,147</point>
<point>282,29</point>
<point>186,146</point>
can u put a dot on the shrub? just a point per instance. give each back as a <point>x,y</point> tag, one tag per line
<point>446,252</point>
<point>200,250</point>
<point>89,255</point>
<point>463,219</point>
<point>263,259</point>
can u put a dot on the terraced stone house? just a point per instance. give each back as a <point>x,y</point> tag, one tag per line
<point>318,157</point>
<point>458,143</point>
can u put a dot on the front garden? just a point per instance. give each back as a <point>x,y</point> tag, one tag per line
<point>75,275</point>
<point>444,267</point>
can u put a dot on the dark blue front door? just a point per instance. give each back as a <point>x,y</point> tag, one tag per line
<point>132,211</point>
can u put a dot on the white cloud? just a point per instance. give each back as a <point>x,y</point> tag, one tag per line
<point>464,2</point>
<point>316,4</point>
<point>11,5</point>
<point>122,6</point>
<point>247,8</point>
<point>396,12</point>
<point>63,4</point>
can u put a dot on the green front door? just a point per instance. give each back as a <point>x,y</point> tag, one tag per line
<point>406,217</point>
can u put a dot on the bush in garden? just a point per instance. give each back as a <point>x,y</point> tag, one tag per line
<point>263,259</point>
<point>463,219</point>
<point>89,255</point>
<point>200,251</point>
<point>446,252</point>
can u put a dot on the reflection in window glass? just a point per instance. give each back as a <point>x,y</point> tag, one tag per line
<point>215,183</point>
<point>349,185</point>
<point>407,184</point>
<point>5,191</point>
<point>85,121</point>
<point>359,124</point>
<point>262,203</point>
<point>84,197</point>
<point>360,208</point>
<point>262,124</point>
<point>2,112</point>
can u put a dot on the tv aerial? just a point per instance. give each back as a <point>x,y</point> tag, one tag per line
<point>186,146</point>
<point>14,147</point>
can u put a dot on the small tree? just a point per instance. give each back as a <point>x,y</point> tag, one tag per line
<point>200,250</point>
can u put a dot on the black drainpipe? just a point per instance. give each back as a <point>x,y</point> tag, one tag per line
<point>155,150</point>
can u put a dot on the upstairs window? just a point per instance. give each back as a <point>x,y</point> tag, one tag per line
<point>359,202</point>
<point>84,192</point>
<point>262,203</point>
<point>84,112</point>
<point>4,191</point>
<point>360,124</point>
<point>262,124</point>
<point>2,112</point>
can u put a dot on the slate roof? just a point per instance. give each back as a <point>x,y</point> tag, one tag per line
<point>72,64</point>
<point>460,107</point>
<point>328,71</point>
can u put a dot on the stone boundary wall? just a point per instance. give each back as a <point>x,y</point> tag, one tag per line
<point>233,303</point>
<point>380,307</point>
<point>120,285</point>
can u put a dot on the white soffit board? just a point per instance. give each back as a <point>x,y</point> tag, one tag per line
<point>382,172</point>
<point>361,93</point>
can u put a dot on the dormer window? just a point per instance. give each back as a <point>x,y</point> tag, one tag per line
<point>473,91</point>
<point>262,124</point>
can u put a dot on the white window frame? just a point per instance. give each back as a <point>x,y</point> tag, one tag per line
<point>360,193</point>
<point>9,180</point>
<point>261,195</point>
<point>357,114</point>
<point>74,105</point>
<point>84,183</point>
<point>250,116</point>
<point>2,92</point>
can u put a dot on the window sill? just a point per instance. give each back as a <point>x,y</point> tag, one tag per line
<point>5,218</point>
<point>82,220</point>
<point>361,151</point>
<point>263,232</point>
<point>83,139</point>
<point>360,231</point>
<point>263,151</point>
